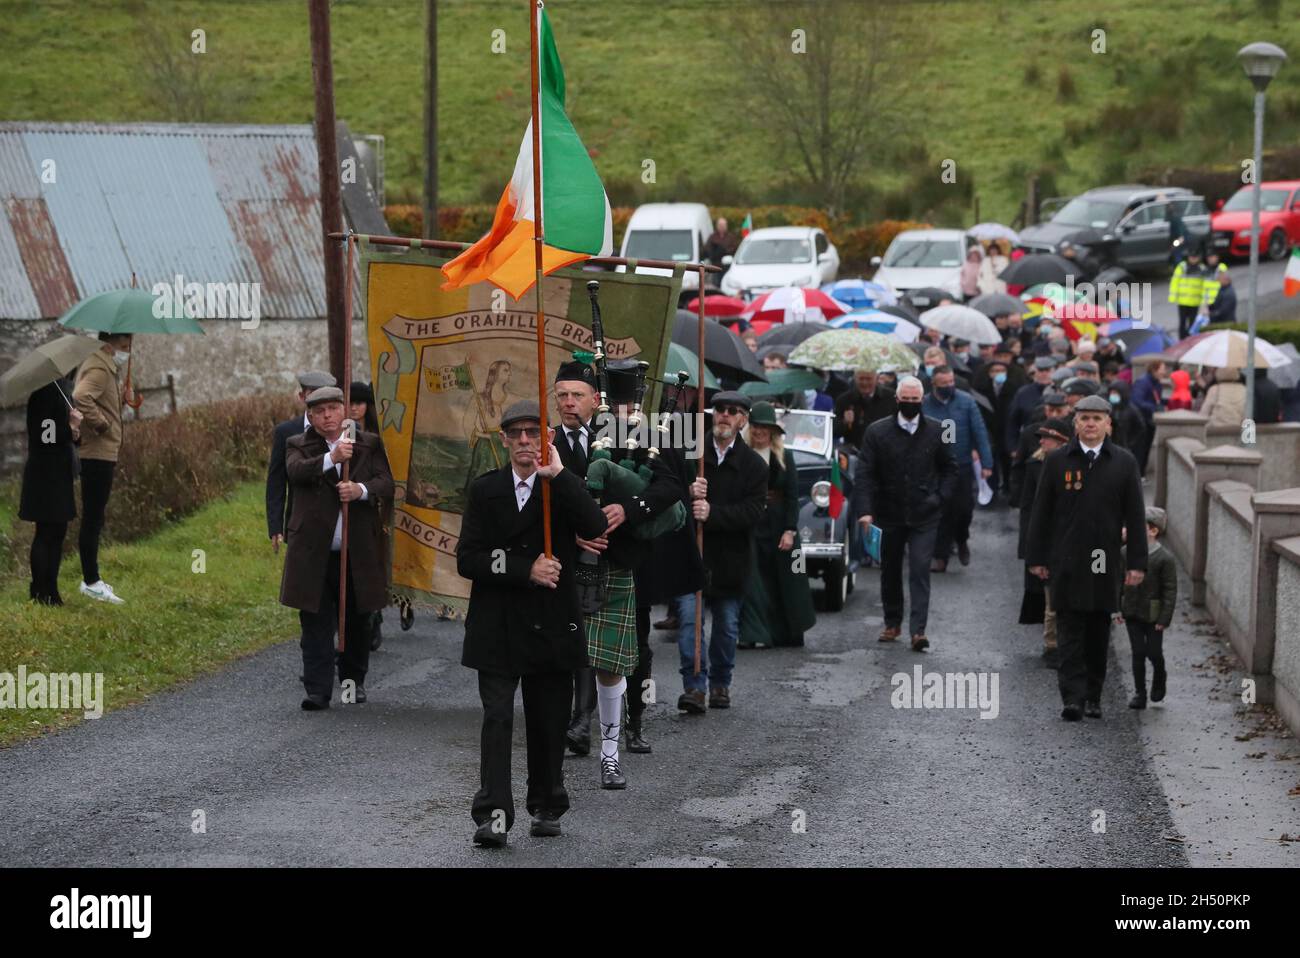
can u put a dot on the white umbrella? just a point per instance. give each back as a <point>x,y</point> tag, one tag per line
<point>1286,377</point>
<point>794,304</point>
<point>993,231</point>
<point>962,322</point>
<point>1227,347</point>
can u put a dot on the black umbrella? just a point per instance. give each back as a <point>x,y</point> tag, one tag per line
<point>790,334</point>
<point>998,304</point>
<point>724,352</point>
<point>928,297</point>
<point>1040,268</point>
<point>904,310</point>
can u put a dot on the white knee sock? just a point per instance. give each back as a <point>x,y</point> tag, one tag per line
<point>610,699</point>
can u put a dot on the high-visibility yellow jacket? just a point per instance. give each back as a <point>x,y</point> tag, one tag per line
<point>1193,285</point>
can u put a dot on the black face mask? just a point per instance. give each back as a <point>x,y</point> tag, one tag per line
<point>909,410</point>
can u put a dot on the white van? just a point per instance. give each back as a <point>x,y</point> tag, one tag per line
<point>675,232</point>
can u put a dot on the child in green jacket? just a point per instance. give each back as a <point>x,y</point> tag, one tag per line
<point>1147,609</point>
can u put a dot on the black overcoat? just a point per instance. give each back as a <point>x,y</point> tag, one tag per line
<point>279,497</point>
<point>903,479</point>
<point>737,501</point>
<point>47,494</point>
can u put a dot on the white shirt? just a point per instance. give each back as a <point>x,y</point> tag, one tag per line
<point>721,451</point>
<point>909,424</point>
<point>1087,449</point>
<point>523,489</point>
<point>578,437</point>
<point>306,422</point>
<point>337,544</point>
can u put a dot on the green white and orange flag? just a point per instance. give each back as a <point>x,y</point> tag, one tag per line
<point>1291,279</point>
<point>746,226</point>
<point>576,217</point>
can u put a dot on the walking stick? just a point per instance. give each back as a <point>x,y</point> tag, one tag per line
<point>699,464</point>
<point>347,391</point>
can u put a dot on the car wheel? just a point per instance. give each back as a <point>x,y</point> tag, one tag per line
<point>1278,246</point>
<point>837,585</point>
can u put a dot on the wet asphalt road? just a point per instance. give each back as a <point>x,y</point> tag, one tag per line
<point>812,738</point>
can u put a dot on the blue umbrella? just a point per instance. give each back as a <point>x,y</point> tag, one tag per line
<point>1138,341</point>
<point>860,292</point>
<point>878,322</point>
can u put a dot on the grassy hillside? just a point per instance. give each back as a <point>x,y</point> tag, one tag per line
<point>1001,89</point>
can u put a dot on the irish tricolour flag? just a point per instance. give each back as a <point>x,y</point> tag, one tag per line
<point>576,221</point>
<point>1291,279</point>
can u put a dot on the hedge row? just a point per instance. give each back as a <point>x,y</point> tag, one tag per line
<point>856,244</point>
<point>1276,333</point>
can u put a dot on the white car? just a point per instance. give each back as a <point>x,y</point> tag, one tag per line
<point>672,232</point>
<point>780,256</point>
<point>920,258</point>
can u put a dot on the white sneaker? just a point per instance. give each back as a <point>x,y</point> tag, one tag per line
<point>102,591</point>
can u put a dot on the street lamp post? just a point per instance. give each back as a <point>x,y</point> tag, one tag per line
<point>1261,61</point>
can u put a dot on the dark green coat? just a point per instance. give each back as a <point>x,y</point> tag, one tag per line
<point>1153,599</point>
<point>778,606</point>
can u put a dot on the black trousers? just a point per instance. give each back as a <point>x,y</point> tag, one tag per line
<point>1186,316</point>
<point>1147,643</point>
<point>636,687</point>
<point>546,714</point>
<point>46,556</point>
<point>954,527</point>
<point>1082,639</point>
<point>317,642</point>
<point>1142,448</point>
<point>919,543</point>
<point>96,485</point>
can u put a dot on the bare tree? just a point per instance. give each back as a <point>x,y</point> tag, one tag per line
<point>817,73</point>
<point>184,84</point>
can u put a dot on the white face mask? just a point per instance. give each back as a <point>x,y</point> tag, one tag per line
<point>120,357</point>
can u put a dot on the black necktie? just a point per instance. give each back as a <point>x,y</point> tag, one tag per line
<point>575,440</point>
<point>1092,457</point>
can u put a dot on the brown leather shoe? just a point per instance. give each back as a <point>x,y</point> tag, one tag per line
<point>889,634</point>
<point>719,698</point>
<point>920,643</point>
<point>938,565</point>
<point>692,702</point>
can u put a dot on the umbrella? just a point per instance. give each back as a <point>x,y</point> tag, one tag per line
<point>878,322</point>
<point>1227,347</point>
<point>679,357</point>
<point>962,322</point>
<point>1286,377</point>
<point>998,304</point>
<point>903,310</point>
<point>846,349</point>
<point>1054,293</point>
<point>1040,268</point>
<point>792,304</point>
<point>926,297</point>
<point>716,304</point>
<point>993,231</point>
<point>1140,342</point>
<point>43,365</point>
<point>781,381</point>
<point>125,311</point>
<point>791,334</point>
<point>1087,312</point>
<point>860,292</point>
<point>727,354</point>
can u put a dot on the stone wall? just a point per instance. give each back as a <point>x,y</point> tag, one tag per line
<point>1286,655</point>
<point>1180,499</point>
<point>1228,591</point>
<point>227,361</point>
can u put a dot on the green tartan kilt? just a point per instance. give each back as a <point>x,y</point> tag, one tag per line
<point>611,632</point>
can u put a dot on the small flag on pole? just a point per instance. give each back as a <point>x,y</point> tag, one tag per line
<point>1291,279</point>
<point>746,226</point>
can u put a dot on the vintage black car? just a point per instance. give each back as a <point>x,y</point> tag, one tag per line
<point>826,538</point>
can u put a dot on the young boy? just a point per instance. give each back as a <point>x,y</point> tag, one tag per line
<point>1147,609</point>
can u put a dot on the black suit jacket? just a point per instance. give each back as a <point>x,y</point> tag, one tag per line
<point>279,497</point>
<point>513,626</point>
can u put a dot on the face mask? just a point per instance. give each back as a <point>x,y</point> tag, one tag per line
<point>1114,399</point>
<point>929,370</point>
<point>944,392</point>
<point>909,410</point>
<point>1000,378</point>
<point>120,357</point>
<point>962,354</point>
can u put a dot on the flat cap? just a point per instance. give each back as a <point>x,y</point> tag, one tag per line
<point>1086,366</point>
<point>1058,429</point>
<point>315,379</point>
<point>1003,347</point>
<point>1080,387</point>
<point>520,411</point>
<point>1054,398</point>
<point>1155,516</point>
<point>729,397</point>
<point>1092,404</point>
<point>1044,362</point>
<point>324,394</point>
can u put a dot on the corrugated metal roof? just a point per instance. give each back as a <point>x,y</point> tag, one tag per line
<point>213,203</point>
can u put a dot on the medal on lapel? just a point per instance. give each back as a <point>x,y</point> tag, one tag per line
<point>1067,478</point>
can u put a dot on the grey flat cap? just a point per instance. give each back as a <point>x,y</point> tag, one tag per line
<point>324,394</point>
<point>1054,398</point>
<point>1155,516</point>
<point>1044,362</point>
<point>315,379</point>
<point>1061,373</point>
<point>1092,404</point>
<point>729,398</point>
<point>521,411</point>
<point>1080,387</point>
<point>1086,366</point>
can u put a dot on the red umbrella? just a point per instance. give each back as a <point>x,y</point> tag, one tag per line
<point>715,305</point>
<point>792,304</point>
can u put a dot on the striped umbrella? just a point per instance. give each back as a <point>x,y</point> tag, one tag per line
<point>860,292</point>
<point>877,322</point>
<point>793,304</point>
<point>1227,347</point>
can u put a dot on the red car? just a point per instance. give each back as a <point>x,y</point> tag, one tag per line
<point>1279,220</point>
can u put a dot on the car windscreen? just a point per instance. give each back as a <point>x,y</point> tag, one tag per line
<point>1082,211</point>
<point>926,254</point>
<point>763,252</point>
<point>807,433</point>
<point>672,245</point>
<point>1270,201</point>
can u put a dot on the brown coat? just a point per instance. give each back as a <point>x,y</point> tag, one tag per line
<point>316,510</point>
<point>98,396</point>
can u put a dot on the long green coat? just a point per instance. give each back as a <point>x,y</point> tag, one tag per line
<point>778,607</point>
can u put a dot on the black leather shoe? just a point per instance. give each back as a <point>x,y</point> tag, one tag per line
<point>578,737</point>
<point>406,618</point>
<point>1092,710</point>
<point>361,695</point>
<point>376,641</point>
<point>1072,713</point>
<point>315,703</point>
<point>1158,687</point>
<point>544,827</point>
<point>1052,658</point>
<point>611,774</point>
<point>636,742</point>
<point>963,553</point>
<point>485,837</point>
<point>1138,701</point>
<point>669,622</point>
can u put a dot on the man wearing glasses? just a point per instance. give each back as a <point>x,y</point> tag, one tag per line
<point>524,624</point>
<point>729,501</point>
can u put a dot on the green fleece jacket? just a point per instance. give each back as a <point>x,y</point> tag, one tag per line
<point>1153,599</point>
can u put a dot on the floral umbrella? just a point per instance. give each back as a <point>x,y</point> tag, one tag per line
<point>847,349</point>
